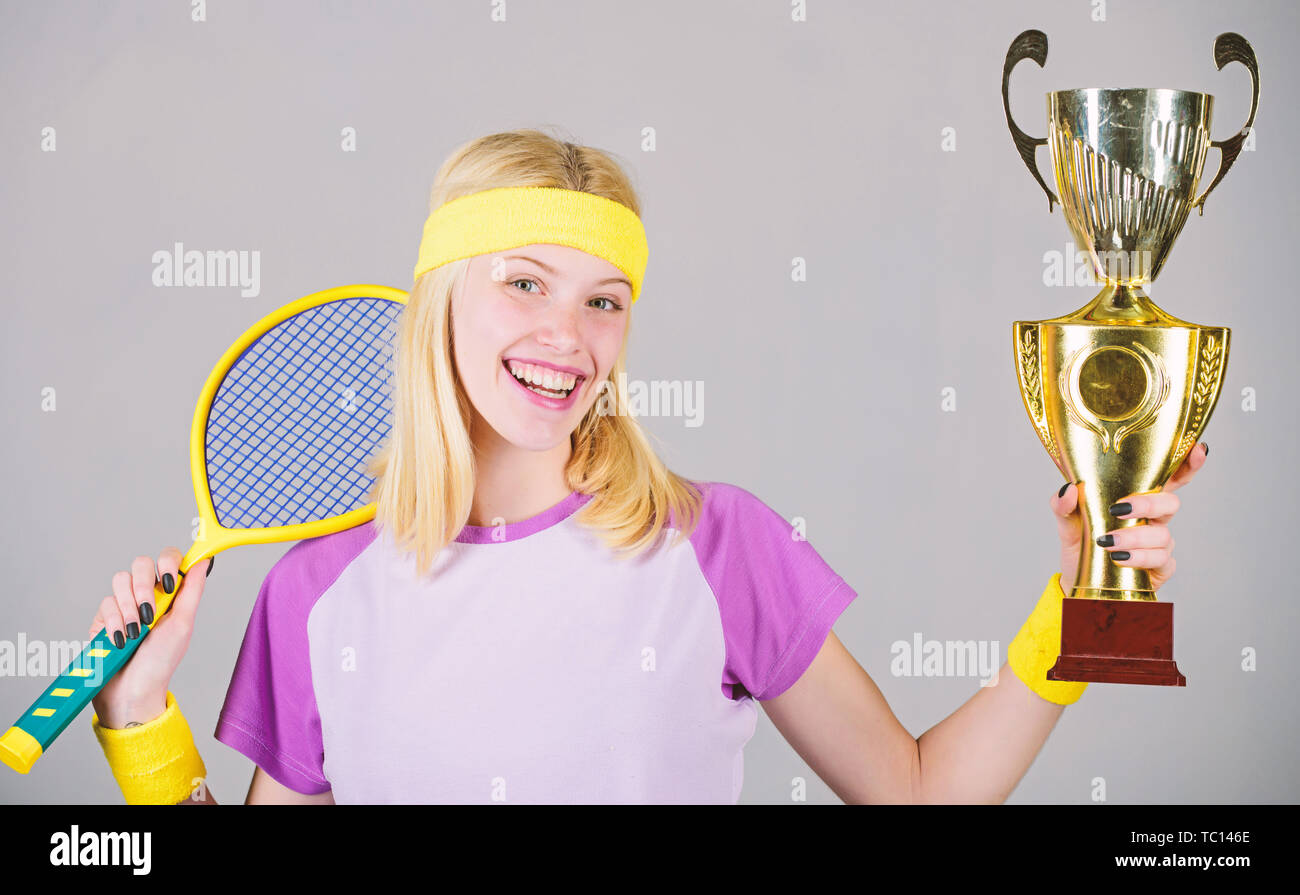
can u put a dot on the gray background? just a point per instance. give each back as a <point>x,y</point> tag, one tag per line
<point>775,139</point>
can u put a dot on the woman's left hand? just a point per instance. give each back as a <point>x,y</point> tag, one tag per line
<point>1149,546</point>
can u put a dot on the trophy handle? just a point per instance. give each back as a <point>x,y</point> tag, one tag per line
<point>1030,45</point>
<point>1230,47</point>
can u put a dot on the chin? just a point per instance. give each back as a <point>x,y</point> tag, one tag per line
<point>535,438</point>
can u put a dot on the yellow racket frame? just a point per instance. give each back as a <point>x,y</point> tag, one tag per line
<point>213,537</point>
<point>63,700</point>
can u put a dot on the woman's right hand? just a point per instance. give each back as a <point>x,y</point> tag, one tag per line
<point>138,692</point>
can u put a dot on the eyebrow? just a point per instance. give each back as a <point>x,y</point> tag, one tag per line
<point>549,269</point>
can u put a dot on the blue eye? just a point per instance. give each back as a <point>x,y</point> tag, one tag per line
<point>523,280</point>
<point>615,305</point>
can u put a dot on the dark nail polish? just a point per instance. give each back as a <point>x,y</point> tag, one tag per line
<point>1061,493</point>
<point>133,630</point>
<point>168,582</point>
<point>1106,541</point>
<point>1121,509</point>
<point>211,562</point>
<point>1206,445</point>
<point>117,638</point>
<point>1119,555</point>
<point>146,613</point>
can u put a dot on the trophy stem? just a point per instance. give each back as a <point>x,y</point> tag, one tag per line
<point>1098,577</point>
<point>1122,303</point>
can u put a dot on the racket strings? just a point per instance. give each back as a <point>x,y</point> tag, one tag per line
<point>299,415</point>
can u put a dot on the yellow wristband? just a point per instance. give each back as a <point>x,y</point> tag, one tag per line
<point>1038,645</point>
<point>156,763</point>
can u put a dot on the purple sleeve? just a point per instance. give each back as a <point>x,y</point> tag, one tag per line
<point>778,597</point>
<point>270,712</point>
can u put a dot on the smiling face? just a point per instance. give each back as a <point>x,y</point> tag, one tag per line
<point>553,315</point>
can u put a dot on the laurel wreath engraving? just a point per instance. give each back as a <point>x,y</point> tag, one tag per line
<point>1029,374</point>
<point>1029,369</point>
<point>1207,383</point>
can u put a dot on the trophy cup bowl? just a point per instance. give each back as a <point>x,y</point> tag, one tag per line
<point>1127,163</point>
<point>1120,390</point>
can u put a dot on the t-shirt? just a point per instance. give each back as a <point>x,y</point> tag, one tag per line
<point>530,665</point>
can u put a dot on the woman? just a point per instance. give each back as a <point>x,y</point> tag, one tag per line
<point>541,611</point>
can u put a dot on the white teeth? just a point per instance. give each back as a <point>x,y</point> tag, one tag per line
<point>547,393</point>
<point>551,380</point>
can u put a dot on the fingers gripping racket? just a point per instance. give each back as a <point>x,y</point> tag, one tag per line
<point>279,444</point>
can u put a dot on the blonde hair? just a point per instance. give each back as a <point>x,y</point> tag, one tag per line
<point>425,470</point>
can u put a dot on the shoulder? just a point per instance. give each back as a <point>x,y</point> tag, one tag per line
<point>730,511</point>
<point>724,494</point>
<point>311,566</point>
<point>739,538</point>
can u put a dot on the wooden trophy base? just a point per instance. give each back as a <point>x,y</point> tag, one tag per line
<point>1117,642</point>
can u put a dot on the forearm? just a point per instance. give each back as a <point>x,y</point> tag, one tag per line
<point>980,752</point>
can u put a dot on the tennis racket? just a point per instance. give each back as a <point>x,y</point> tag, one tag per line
<point>281,436</point>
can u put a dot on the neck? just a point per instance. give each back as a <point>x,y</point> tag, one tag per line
<point>513,483</point>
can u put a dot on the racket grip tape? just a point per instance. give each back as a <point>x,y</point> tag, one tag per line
<point>31,735</point>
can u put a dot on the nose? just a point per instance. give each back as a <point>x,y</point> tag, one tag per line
<point>558,328</point>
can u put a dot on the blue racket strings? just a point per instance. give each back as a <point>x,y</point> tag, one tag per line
<point>300,413</point>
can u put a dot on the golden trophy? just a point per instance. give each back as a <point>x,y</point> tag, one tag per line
<point>1120,390</point>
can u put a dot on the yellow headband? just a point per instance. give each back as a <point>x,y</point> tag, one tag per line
<point>510,217</point>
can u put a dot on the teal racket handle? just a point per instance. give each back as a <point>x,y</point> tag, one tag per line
<point>31,735</point>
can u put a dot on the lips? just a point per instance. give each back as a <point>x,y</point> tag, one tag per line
<point>541,400</point>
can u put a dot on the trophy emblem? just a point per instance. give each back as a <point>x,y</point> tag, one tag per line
<point>1120,390</point>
